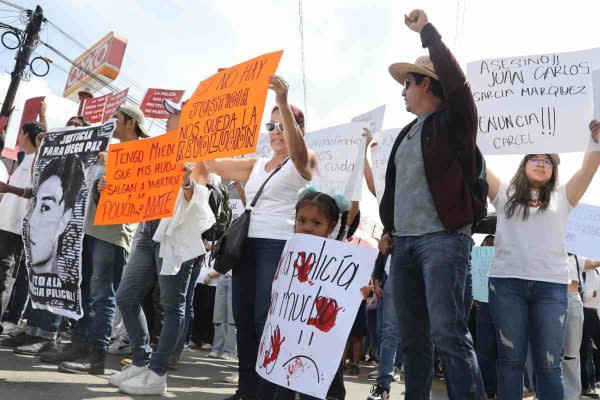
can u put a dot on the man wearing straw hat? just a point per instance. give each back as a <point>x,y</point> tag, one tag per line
<point>427,211</point>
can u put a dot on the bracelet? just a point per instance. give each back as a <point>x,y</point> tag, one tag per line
<point>187,186</point>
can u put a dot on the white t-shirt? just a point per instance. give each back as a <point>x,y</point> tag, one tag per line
<point>591,284</point>
<point>574,276</point>
<point>13,208</point>
<point>533,249</point>
<point>274,214</point>
<point>3,173</point>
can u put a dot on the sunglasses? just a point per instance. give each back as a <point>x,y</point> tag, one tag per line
<point>408,82</point>
<point>536,161</point>
<point>272,125</point>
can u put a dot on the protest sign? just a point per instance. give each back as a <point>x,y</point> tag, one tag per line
<point>53,226</point>
<point>237,208</point>
<point>93,108</point>
<point>596,91</point>
<point>314,300</point>
<point>223,116</point>
<point>534,104</point>
<point>380,153</point>
<point>113,102</point>
<point>263,147</point>
<point>373,120</point>
<point>153,103</point>
<point>341,153</point>
<point>142,181</point>
<point>583,231</point>
<point>100,109</point>
<point>481,258</point>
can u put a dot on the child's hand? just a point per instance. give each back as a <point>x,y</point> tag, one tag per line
<point>366,291</point>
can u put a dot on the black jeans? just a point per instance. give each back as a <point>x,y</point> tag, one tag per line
<point>591,331</point>
<point>11,255</point>
<point>204,306</point>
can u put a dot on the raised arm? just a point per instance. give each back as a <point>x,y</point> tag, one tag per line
<point>231,169</point>
<point>368,170</point>
<point>578,184</point>
<point>304,160</point>
<point>590,264</point>
<point>493,184</point>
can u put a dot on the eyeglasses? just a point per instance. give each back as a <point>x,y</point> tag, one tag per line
<point>272,125</point>
<point>536,161</point>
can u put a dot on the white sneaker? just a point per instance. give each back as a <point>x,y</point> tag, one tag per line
<point>206,346</point>
<point>119,347</point>
<point>8,328</point>
<point>227,357</point>
<point>127,373</point>
<point>233,378</point>
<point>396,374</point>
<point>214,354</point>
<point>147,383</point>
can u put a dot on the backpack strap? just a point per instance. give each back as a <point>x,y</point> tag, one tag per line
<point>579,285</point>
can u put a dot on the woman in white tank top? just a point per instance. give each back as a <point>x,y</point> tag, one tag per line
<point>271,224</point>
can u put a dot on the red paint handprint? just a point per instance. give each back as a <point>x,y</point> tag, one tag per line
<point>303,265</point>
<point>327,310</point>
<point>272,354</point>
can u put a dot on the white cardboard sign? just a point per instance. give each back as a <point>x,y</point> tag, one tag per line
<point>380,155</point>
<point>373,120</point>
<point>583,231</point>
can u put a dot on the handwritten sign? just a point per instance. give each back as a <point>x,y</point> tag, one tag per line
<point>237,208</point>
<point>380,154</point>
<point>341,152</point>
<point>534,104</point>
<point>373,119</point>
<point>263,147</point>
<point>142,181</point>
<point>314,301</point>
<point>113,102</point>
<point>153,103</point>
<point>223,116</point>
<point>481,258</point>
<point>583,231</point>
<point>596,90</point>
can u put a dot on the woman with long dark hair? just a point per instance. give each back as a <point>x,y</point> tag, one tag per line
<point>529,275</point>
<point>271,224</point>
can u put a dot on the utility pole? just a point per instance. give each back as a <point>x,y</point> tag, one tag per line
<point>22,59</point>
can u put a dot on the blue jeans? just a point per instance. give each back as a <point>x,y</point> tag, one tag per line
<point>43,324</point>
<point>19,295</point>
<point>529,311</point>
<point>225,332</point>
<point>486,349</point>
<point>189,307</point>
<point>251,297</point>
<point>139,278</point>
<point>429,277</point>
<point>101,269</point>
<point>390,351</point>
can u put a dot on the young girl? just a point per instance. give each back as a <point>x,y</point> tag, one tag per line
<point>318,214</point>
<point>529,275</point>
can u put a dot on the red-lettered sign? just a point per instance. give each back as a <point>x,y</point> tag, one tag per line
<point>103,59</point>
<point>100,109</point>
<point>31,110</point>
<point>153,103</point>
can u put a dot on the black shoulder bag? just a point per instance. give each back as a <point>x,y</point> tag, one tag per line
<point>580,276</point>
<point>227,251</point>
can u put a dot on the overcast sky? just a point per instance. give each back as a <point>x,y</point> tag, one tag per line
<point>348,47</point>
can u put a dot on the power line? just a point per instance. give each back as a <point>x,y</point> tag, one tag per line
<point>8,3</point>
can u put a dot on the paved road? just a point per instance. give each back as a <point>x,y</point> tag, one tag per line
<point>198,378</point>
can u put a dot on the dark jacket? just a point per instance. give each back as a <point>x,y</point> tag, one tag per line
<point>448,144</point>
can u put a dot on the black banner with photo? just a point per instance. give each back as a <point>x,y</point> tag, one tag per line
<point>65,167</point>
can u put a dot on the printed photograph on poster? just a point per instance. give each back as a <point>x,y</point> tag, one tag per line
<point>373,120</point>
<point>314,300</point>
<point>534,104</point>
<point>341,153</point>
<point>53,226</point>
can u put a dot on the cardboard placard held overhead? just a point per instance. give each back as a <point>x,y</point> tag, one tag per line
<point>534,104</point>
<point>223,116</point>
<point>142,181</point>
<point>153,104</point>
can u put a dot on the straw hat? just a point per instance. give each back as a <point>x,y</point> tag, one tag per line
<point>423,66</point>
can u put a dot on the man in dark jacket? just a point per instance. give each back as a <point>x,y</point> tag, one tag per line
<point>427,211</point>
